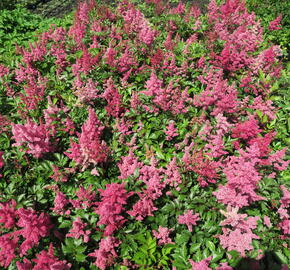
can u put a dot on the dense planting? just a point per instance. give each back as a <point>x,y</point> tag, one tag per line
<point>143,137</point>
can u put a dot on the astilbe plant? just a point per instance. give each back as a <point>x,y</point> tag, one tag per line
<point>240,237</point>
<point>8,246</point>
<point>189,219</point>
<point>35,137</point>
<point>44,261</point>
<point>163,235</point>
<point>78,230</point>
<point>33,228</point>
<point>204,81</point>
<point>27,225</point>
<point>8,214</point>
<point>91,148</point>
<point>113,98</point>
<point>110,208</point>
<point>106,253</point>
<point>243,178</point>
<point>275,24</point>
<point>206,169</point>
<point>284,216</point>
<point>202,265</point>
<point>167,98</point>
<point>171,131</point>
<point>128,165</point>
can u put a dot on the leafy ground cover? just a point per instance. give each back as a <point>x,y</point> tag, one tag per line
<point>145,136</point>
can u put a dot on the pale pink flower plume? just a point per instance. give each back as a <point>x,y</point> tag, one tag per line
<point>163,235</point>
<point>267,221</point>
<point>202,265</point>
<point>171,131</point>
<point>189,219</point>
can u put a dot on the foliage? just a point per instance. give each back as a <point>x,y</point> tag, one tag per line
<point>17,27</point>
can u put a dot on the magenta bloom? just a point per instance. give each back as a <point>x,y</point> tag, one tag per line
<point>78,230</point>
<point>275,24</point>
<point>111,207</point>
<point>106,253</point>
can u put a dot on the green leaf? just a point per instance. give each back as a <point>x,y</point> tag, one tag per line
<point>80,257</point>
<point>65,224</point>
<point>182,238</point>
<point>282,258</point>
<point>210,245</point>
<point>287,253</point>
<point>194,247</point>
<point>217,256</point>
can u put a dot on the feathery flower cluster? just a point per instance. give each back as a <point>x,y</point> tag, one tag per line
<point>152,178</point>
<point>163,235</point>
<point>106,253</point>
<point>206,169</point>
<point>86,92</point>
<point>169,98</point>
<point>275,24</point>
<point>172,174</point>
<point>33,228</point>
<point>128,165</point>
<point>25,223</point>
<point>143,208</point>
<point>239,40</point>
<point>78,230</point>
<point>44,261</point>
<point>246,130</point>
<point>136,22</point>
<point>218,93</point>
<point>8,214</point>
<point>171,131</point>
<point>242,177</point>
<point>35,137</point>
<point>114,198</point>
<point>60,202</point>
<point>240,237</point>
<point>202,265</point>
<point>215,144</point>
<point>90,149</point>
<point>113,98</point>
<point>284,216</point>
<point>3,70</point>
<point>189,219</point>
<point>86,197</point>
